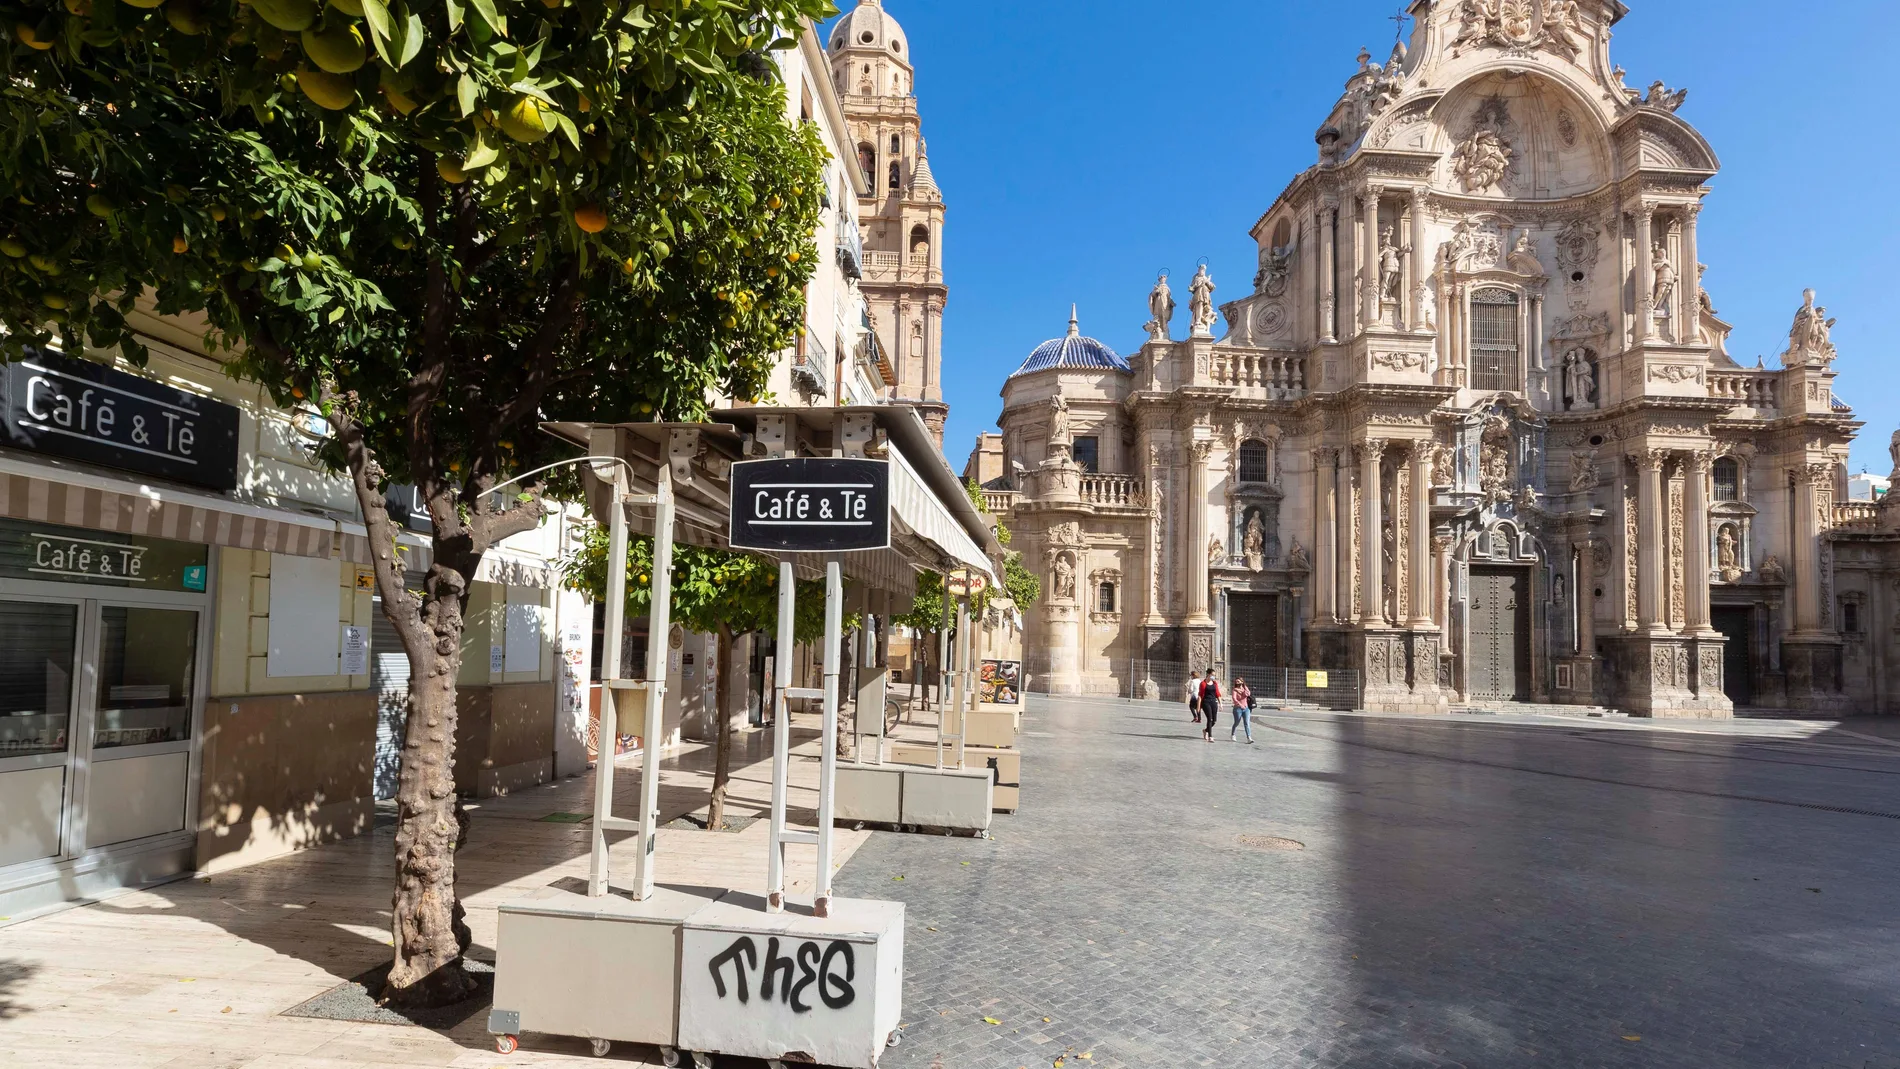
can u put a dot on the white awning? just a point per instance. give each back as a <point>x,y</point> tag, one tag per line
<point>926,518</point>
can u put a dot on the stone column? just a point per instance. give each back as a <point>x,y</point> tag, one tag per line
<point>1586,585</point>
<point>1372,532</point>
<point>1418,542</point>
<point>1197,534</point>
<point>1649,526</point>
<point>1369,259</point>
<point>1441,580</point>
<point>1645,273</point>
<point>1689,288</point>
<point>1326,536</point>
<point>1329,271</point>
<point>1342,544</point>
<point>1695,544</point>
<point>1804,576</point>
<point>1416,263</point>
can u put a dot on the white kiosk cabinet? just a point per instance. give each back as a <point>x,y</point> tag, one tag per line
<point>791,987</point>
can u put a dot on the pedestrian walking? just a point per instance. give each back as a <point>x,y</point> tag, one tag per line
<point>1243,710</point>
<point>1210,704</point>
<point>1194,699</point>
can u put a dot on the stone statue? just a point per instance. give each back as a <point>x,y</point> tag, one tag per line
<point>1216,551</point>
<point>1584,474</point>
<point>1665,290</point>
<point>1161,307</point>
<point>1201,303</point>
<point>1772,571</point>
<point>1276,263</point>
<point>1811,340</point>
<point>1059,423</point>
<point>1893,449</point>
<point>1482,160</point>
<point>1580,380</point>
<point>1065,578</point>
<point>1728,554</point>
<point>1559,590</point>
<point>1563,27</point>
<point>1444,470</point>
<point>1256,543</point>
<point>1391,267</point>
<point>1298,560</point>
<point>1523,258</point>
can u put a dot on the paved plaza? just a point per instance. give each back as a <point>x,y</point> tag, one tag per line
<point>1471,891</point>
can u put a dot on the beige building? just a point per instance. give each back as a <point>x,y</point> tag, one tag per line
<point>901,211</point>
<point>1472,434</point>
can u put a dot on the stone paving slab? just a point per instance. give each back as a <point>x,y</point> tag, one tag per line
<point>1471,892</point>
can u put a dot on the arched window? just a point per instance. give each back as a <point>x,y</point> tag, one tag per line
<point>1105,597</point>
<point>1282,234</point>
<point>867,162</point>
<point>1728,479</point>
<point>919,244</point>
<point>1495,349</point>
<point>1255,462</point>
<point>897,175</point>
<point>897,144</point>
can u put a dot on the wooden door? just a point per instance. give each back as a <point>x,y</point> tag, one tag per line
<point>1253,632</point>
<point>1500,634</point>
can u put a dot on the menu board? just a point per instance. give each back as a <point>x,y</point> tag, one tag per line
<point>1000,682</point>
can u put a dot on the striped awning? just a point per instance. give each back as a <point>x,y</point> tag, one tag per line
<point>42,494</point>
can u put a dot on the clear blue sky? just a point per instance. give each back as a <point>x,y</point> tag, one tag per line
<point>1084,144</point>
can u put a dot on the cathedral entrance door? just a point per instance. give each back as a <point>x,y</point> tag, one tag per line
<point>1737,624</point>
<point>1500,634</point>
<point>1253,632</point>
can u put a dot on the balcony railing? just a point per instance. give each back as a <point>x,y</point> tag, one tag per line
<point>850,249</point>
<point>809,371</point>
<point>999,502</point>
<point>1856,515</point>
<point>1113,491</point>
<point>1281,376</point>
<point>1755,390</point>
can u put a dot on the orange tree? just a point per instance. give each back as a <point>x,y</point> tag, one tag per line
<point>438,223</point>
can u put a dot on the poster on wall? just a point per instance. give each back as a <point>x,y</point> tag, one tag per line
<point>1000,682</point>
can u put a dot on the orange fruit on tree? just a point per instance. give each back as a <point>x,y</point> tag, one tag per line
<point>591,218</point>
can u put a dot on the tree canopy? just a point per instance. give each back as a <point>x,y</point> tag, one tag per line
<point>713,589</point>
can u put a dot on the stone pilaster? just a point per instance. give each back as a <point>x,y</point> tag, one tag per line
<point>1198,538</point>
<point>1372,524</point>
<point>1418,540</point>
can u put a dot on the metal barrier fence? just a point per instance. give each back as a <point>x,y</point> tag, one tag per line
<point>1334,689</point>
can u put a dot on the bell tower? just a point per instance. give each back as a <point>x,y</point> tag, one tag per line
<point>903,214</point>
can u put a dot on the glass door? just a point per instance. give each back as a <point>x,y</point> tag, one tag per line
<point>39,655</point>
<point>142,698</point>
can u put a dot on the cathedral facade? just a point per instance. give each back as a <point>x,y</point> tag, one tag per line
<point>1473,435</point>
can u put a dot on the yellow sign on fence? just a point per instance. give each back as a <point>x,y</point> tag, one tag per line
<point>1315,681</point>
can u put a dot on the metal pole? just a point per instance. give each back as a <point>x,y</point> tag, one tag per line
<point>943,669</point>
<point>659,622</point>
<point>966,679</point>
<point>781,738</point>
<point>828,757</point>
<point>608,741</point>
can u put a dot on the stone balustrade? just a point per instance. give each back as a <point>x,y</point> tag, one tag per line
<point>1746,389</point>
<point>999,502</point>
<point>1113,491</point>
<point>1856,515</point>
<point>1278,376</point>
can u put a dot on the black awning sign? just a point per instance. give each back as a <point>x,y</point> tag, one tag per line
<point>78,409</point>
<point>811,505</point>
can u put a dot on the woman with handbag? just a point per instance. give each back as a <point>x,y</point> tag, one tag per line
<point>1243,711</point>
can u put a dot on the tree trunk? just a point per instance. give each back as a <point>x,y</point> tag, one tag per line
<point>722,734</point>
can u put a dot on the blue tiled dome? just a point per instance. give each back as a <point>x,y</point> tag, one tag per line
<point>1074,351</point>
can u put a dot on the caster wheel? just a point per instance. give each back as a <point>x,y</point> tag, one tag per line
<point>896,1038</point>
<point>859,826</point>
<point>507,1044</point>
<point>601,1047</point>
<point>702,1061</point>
<point>669,1057</point>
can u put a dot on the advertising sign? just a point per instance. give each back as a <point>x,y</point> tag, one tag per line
<point>1000,682</point>
<point>965,583</point>
<point>811,505</point>
<point>78,409</point>
<point>71,555</point>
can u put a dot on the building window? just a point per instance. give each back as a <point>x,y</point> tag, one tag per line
<point>867,162</point>
<point>897,144</point>
<point>1105,598</point>
<point>1850,617</point>
<point>1728,480</point>
<point>897,175</point>
<point>1255,462</point>
<point>1494,341</point>
<point>1088,453</point>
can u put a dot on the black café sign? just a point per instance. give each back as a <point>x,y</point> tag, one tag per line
<point>811,505</point>
<point>74,408</point>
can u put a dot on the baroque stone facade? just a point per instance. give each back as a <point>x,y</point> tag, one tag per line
<point>1474,433</point>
